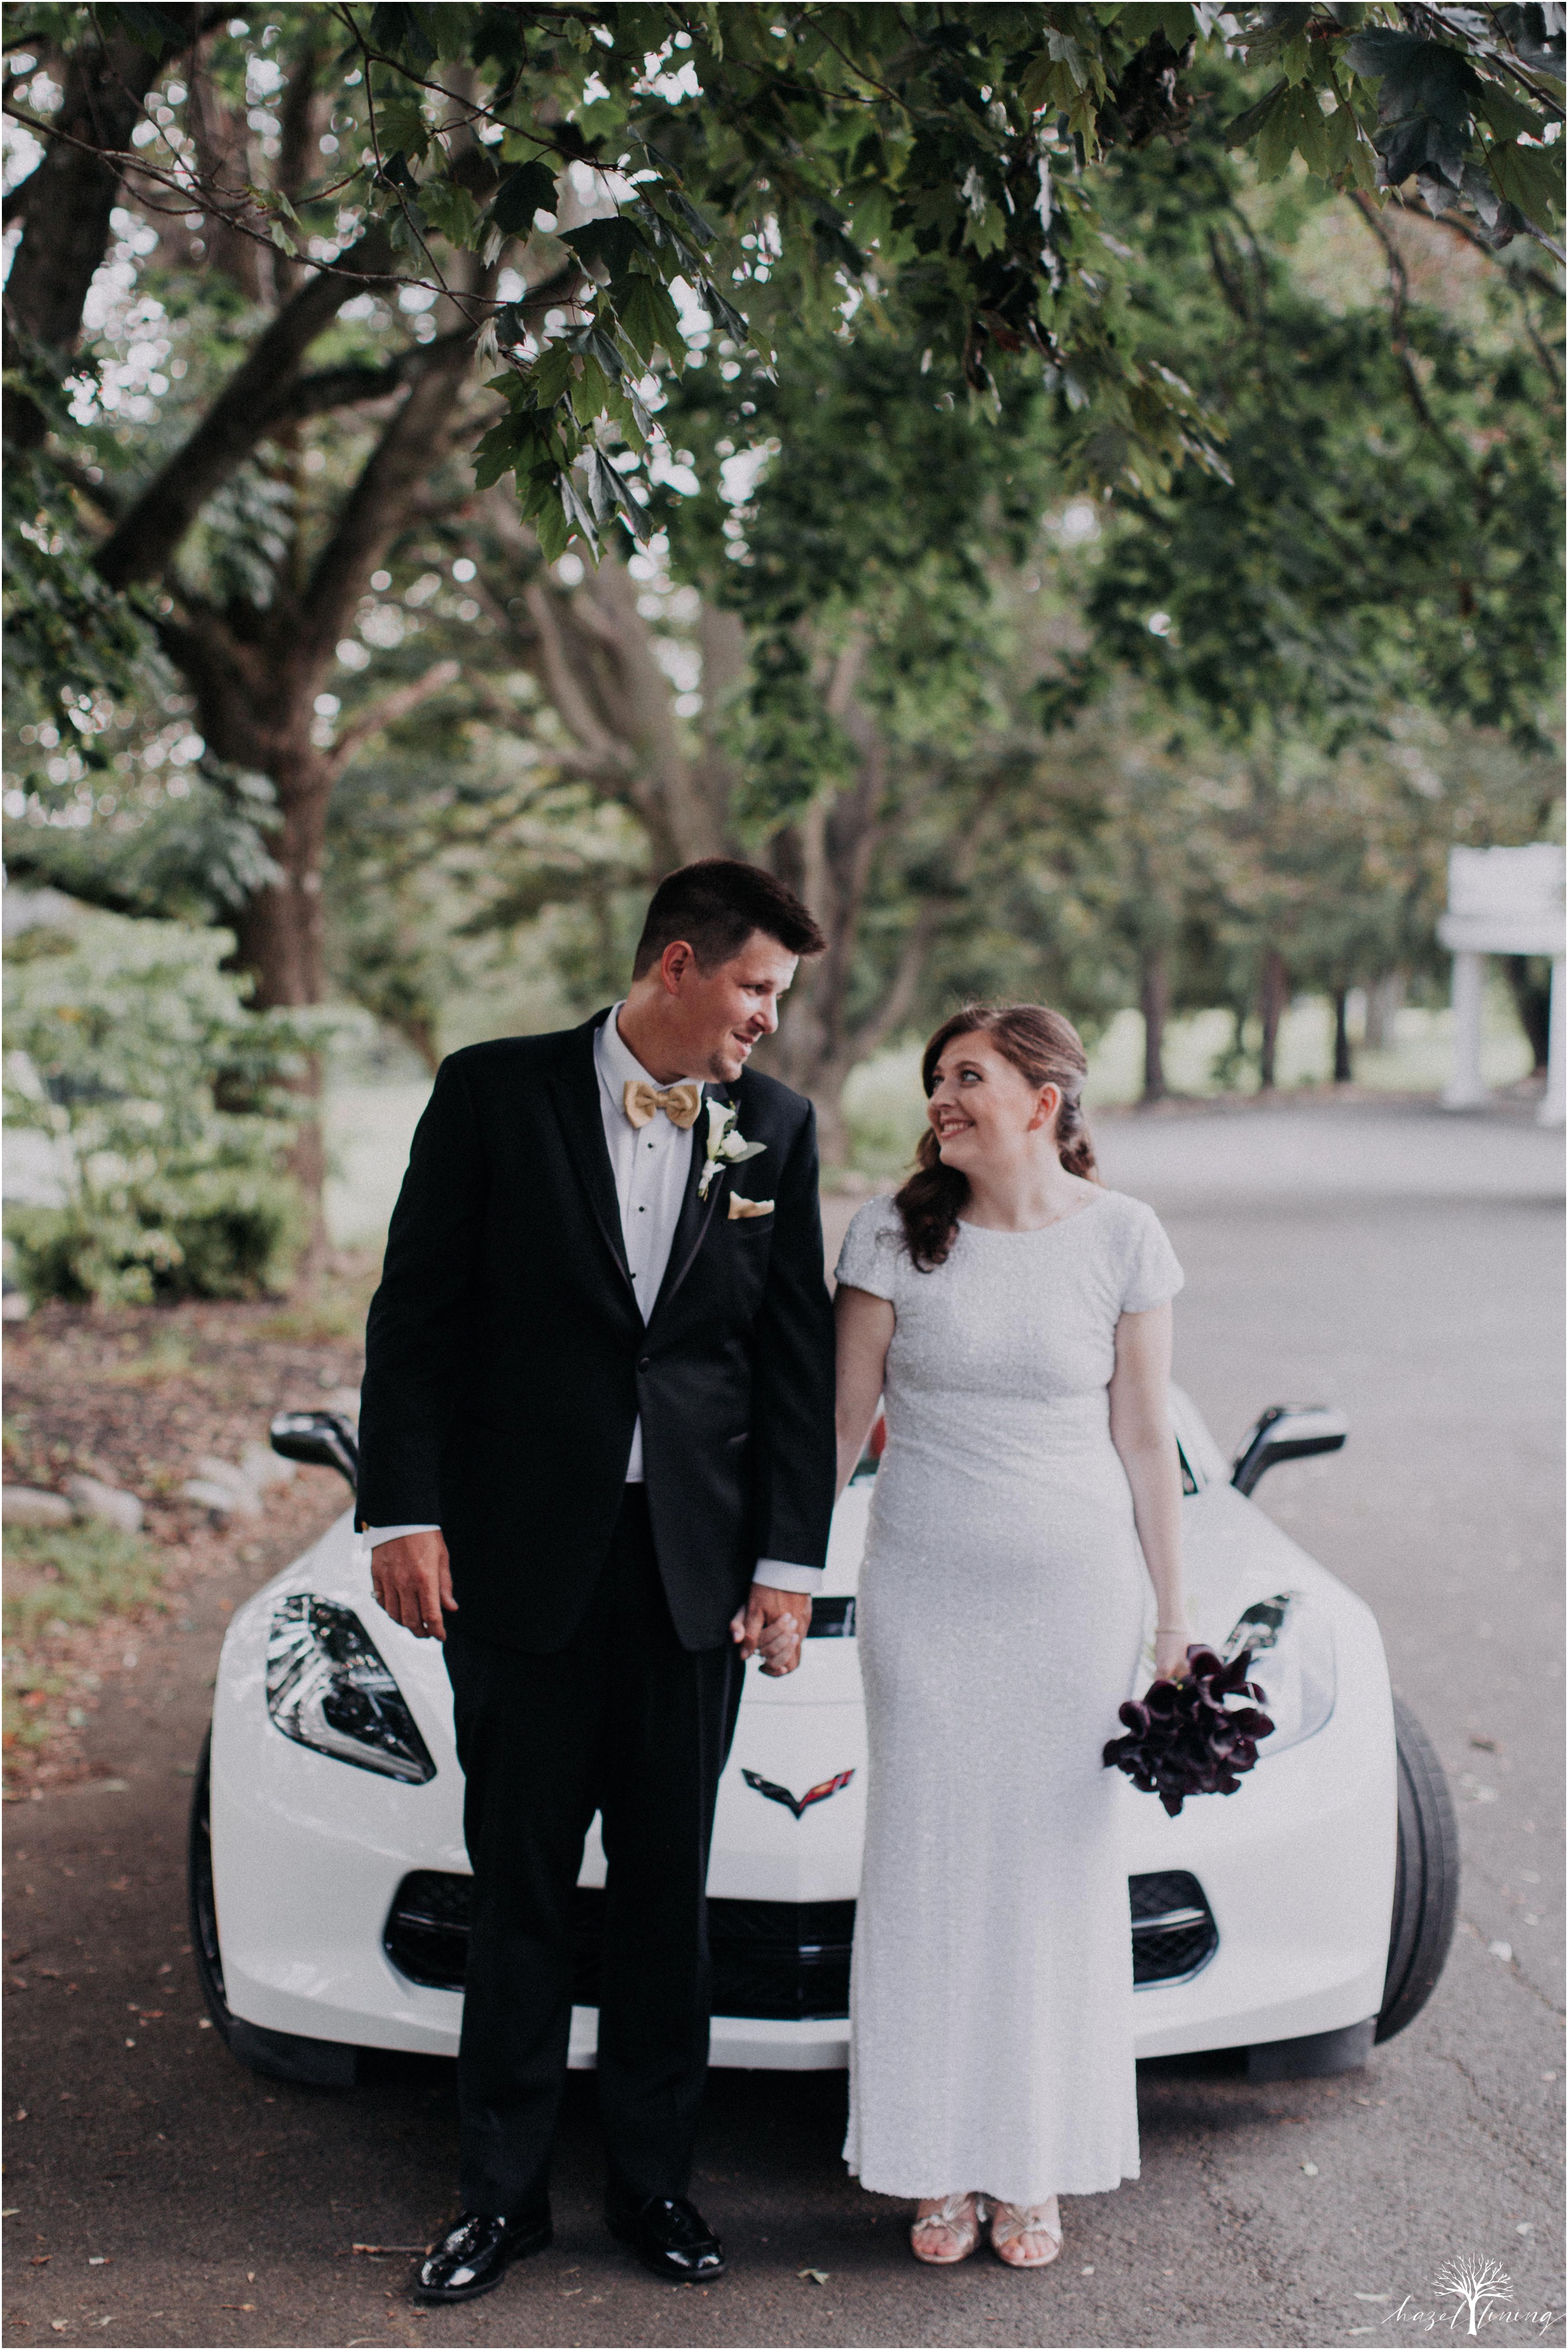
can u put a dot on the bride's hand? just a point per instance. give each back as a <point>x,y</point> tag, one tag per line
<point>1171,1655</point>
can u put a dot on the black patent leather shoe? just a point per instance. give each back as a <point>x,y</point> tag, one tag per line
<point>475,2254</point>
<point>669,2236</point>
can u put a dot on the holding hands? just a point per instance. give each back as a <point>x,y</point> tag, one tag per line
<point>772,1625</point>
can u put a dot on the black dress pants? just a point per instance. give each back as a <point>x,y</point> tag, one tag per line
<point>627,1723</point>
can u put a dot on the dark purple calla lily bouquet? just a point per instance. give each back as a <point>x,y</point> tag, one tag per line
<point>1184,1737</point>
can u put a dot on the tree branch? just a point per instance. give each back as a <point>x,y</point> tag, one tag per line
<point>69,198</point>
<point>899,999</point>
<point>414,441</point>
<point>389,709</point>
<point>147,538</point>
<point>1515,276</point>
<point>355,387</point>
<point>1399,295</point>
<point>598,745</point>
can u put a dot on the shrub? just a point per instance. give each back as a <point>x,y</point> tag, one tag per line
<point>161,1099</point>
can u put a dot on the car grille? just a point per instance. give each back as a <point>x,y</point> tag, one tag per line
<point>784,1960</point>
<point>1173,1931</point>
<point>781,1959</point>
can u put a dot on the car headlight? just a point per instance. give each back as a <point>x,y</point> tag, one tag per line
<point>1292,1659</point>
<point>327,1687</point>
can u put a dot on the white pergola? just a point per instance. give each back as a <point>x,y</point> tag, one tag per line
<point>1506,902</point>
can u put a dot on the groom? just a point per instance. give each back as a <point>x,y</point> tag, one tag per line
<point>596,1459</point>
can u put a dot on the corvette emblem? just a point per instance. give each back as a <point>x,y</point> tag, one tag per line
<point>797,1803</point>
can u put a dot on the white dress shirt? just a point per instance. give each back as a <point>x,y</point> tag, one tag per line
<point>651,1165</point>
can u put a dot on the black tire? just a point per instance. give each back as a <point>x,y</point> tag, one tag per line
<point>1426,1878</point>
<point>280,2055</point>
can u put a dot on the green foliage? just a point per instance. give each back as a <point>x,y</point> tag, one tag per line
<point>68,641</point>
<point>195,856</point>
<point>882,503</point>
<point>161,1101</point>
<point>1388,530</point>
<point>946,163</point>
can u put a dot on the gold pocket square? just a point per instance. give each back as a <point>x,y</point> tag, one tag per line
<point>739,1207</point>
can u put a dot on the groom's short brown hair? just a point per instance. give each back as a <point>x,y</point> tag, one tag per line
<point>715,905</point>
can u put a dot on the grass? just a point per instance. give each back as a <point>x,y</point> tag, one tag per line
<point>166,1355</point>
<point>63,1575</point>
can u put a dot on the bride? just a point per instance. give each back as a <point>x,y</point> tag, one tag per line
<point>1014,1316</point>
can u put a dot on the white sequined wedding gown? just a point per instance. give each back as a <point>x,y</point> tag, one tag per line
<point>1002,1604</point>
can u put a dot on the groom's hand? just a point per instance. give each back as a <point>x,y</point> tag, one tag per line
<point>772,1625</point>
<point>413,1582</point>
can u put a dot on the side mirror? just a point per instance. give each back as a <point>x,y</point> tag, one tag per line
<point>1287,1431</point>
<point>323,1440</point>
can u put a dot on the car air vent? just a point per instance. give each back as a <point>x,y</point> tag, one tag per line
<point>426,1932</point>
<point>832,1620</point>
<point>787,1959</point>
<point>784,1960</point>
<point>1173,1928</point>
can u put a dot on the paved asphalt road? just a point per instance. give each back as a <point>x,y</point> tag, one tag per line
<point>1401,1264</point>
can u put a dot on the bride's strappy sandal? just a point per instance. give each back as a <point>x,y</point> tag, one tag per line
<point>949,2233</point>
<point>1026,2235</point>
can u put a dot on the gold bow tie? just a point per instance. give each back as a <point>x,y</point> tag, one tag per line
<point>681,1104</point>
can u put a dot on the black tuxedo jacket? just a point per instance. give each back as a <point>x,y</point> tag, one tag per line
<point>506,1361</point>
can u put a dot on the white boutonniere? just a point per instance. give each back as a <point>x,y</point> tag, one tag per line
<point>727,1145</point>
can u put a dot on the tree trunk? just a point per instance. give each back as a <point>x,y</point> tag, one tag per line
<point>1272,997</point>
<point>1156,1001</point>
<point>67,206</point>
<point>827,1098</point>
<point>1530,980</point>
<point>1343,1072</point>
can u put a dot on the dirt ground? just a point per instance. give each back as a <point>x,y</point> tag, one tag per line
<point>136,1398</point>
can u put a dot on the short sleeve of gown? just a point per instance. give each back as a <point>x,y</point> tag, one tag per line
<point>1153,1272</point>
<point>869,1257</point>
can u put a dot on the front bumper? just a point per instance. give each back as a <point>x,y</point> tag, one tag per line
<point>310,1856</point>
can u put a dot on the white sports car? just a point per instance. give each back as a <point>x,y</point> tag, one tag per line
<point>1299,1918</point>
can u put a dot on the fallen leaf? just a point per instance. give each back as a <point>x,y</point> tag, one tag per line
<point>236,2304</point>
<point>1373,2296</point>
<point>818,2276</point>
<point>389,2248</point>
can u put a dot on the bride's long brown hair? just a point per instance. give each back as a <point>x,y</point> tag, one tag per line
<point>1047,1050</point>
